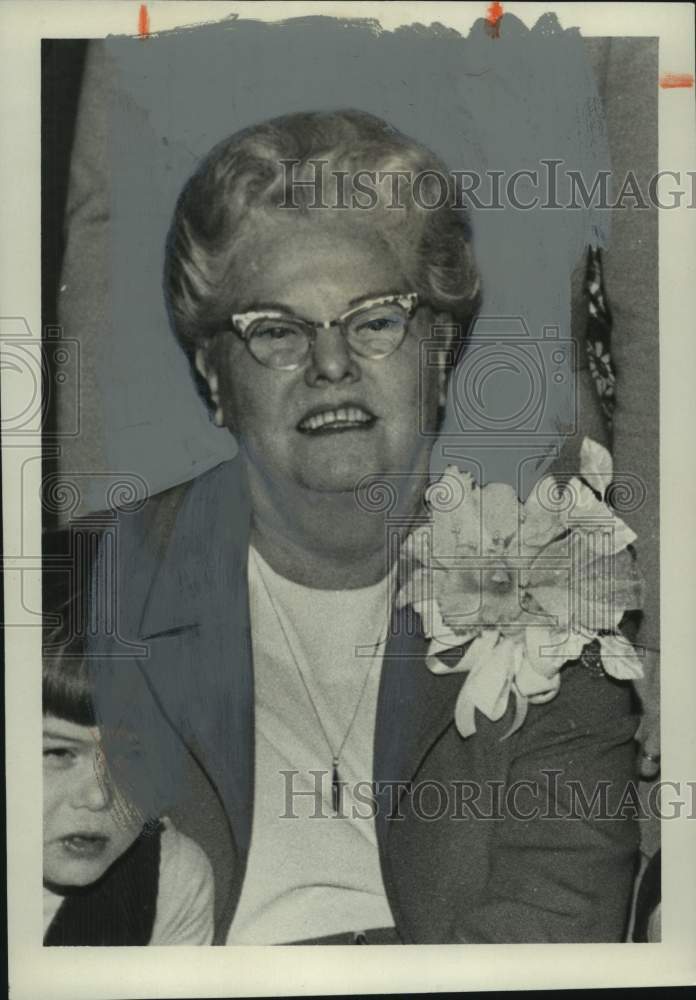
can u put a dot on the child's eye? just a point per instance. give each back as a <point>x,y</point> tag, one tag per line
<point>59,757</point>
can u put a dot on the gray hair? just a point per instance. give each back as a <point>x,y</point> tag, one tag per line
<point>246,173</point>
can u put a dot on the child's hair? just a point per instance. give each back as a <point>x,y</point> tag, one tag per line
<point>68,695</point>
<point>67,689</point>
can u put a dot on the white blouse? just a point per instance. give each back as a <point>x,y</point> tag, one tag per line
<point>311,872</point>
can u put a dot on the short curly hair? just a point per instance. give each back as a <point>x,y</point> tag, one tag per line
<point>247,172</point>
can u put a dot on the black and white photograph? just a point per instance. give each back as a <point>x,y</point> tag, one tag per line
<point>349,528</point>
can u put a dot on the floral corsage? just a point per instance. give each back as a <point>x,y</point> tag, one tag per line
<point>509,592</point>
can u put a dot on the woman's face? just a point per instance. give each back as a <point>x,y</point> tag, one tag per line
<point>318,267</point>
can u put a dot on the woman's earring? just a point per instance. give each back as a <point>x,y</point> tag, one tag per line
<point>218,417</point>
<point>442,389</point>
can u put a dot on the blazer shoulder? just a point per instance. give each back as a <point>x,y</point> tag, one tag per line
<point>590,705</point>
<point>156,513</point>
<point>139,533</point>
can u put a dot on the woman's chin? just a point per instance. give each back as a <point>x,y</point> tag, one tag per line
<point>337,463</point>
<point>339,469</point>
<point>332,479</point>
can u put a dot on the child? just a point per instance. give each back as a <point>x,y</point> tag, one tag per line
<point>109,877</point>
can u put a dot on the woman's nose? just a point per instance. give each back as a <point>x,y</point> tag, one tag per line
<point>331,359</point>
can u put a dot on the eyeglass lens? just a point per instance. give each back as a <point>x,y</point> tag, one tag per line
<point>374,333</point>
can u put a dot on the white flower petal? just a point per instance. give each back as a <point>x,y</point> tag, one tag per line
<point>488,685</point>
<point>501,511</point>
<point>417,591</point>
<point>620,659</point>
<point>541,519</point>
<point>416,547</point>
<point>436,666</point>
<point>596,465</point>
<point>544,696</point>
<point>464,713</point>
<point>521,706</point>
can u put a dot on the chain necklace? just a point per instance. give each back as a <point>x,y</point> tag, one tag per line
<point>336,783</point>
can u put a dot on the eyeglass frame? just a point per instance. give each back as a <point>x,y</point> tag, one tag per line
<point>241,322</point>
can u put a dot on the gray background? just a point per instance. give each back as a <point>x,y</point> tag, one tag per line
<point>151,108</point>
<point>480,103</point>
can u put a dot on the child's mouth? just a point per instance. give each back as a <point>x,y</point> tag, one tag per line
<point>85,845</point>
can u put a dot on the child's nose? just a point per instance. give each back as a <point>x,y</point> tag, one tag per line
<point>93,791</point>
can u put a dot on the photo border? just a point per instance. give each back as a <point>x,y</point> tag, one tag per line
<point>293,971</point>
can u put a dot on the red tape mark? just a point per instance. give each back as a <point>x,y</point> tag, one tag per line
<point>669,80</point>
<point>143,21</point>
<point>493,19</point>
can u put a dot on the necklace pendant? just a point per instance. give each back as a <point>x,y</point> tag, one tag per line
<point>335,787</point>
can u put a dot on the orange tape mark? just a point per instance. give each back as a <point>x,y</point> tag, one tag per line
<point>143,21</point>
<point>493,19</point>
<point>670,80</point>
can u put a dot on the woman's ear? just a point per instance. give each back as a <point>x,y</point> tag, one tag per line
<point>205,369</point>
<point>448,334</point>
<point>445,328</point>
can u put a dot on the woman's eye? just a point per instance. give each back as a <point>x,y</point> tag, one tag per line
<point>276,332</point>
<point>377,324</point>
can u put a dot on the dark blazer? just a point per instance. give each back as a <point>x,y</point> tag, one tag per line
<point>177,667</point>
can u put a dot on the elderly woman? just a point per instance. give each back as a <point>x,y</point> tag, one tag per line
<point>289,719</point>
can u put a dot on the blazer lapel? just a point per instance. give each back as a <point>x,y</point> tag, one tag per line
<point>414,707</point>
<point>196,625</point>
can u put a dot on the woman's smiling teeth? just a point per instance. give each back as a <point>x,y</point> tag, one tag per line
<point>342,418</point>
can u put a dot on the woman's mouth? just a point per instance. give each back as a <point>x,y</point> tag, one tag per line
<point>332,421</point>
<point>85,845</point>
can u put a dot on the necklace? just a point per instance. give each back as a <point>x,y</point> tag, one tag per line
<point>336,783</point>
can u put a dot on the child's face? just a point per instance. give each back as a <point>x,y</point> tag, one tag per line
<point>87,826</point>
